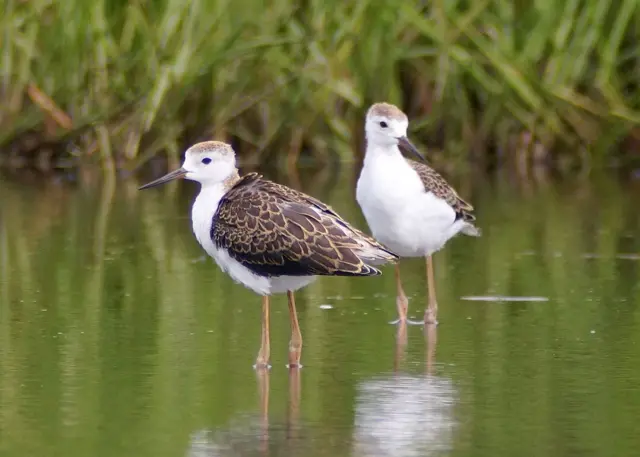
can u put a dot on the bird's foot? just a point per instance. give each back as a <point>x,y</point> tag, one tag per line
<point>294,357</point>
<point>430,317</point>
<point>405,320</point>
<point>402,304</point>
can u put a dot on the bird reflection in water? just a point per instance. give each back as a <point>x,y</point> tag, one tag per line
<point>431,340</point>
<point>404,415</point>
<point>251,436</point>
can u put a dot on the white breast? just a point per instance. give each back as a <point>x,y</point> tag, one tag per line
<point>400,213</point>
<point>202,212</point>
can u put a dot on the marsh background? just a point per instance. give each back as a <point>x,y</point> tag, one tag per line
<point>117,82</point>
<point>118,337</point>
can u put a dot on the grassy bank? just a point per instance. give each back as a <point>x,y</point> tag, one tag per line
<point>120,82</point>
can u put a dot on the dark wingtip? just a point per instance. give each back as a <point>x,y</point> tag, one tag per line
<point>370,271</point>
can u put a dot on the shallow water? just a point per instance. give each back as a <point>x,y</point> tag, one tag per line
<point>118,338</point>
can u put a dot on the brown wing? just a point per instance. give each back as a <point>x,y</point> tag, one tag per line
<point>274,230</point>
<point>434,182</point>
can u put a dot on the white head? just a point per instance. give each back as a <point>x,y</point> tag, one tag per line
<point>386,128</point>
<point>209,162</point>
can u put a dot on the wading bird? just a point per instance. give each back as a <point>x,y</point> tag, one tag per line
<point>269,237</point>
<point>409,207</point>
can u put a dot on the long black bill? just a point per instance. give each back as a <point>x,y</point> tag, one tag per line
<point>404,142</point>
<point>176,174</point>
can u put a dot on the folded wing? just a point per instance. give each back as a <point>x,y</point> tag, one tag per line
<point>274,230</point>
<point>434,182</point>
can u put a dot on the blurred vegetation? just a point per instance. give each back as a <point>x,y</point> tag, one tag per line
<point>119,82</point>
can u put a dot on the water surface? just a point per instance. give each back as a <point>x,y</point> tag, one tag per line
<point>119,338</point>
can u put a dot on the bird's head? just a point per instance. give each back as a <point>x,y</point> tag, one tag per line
<point>386,126</point>
<point>209,162</point>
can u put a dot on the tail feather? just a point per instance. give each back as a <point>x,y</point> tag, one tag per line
<point>376,255</point>
<point>372,252</point>
<point>471,230</point>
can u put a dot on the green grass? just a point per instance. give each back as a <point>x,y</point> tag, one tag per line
<point>140,79</point>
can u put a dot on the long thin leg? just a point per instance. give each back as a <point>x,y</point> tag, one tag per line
<point>295,345</point>
<point>262,362</point>
<point>402,303</point>
<point>431,312</point>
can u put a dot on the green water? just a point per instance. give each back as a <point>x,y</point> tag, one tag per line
<point>118,338</point>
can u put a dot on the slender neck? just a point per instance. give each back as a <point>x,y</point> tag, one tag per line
<point>211,192</point>
<point>221,186</point>
<point>376,151</point>
<point>206,204</point>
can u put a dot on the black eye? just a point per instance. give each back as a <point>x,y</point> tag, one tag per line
<point>383,124</point>
<point>206,161</point>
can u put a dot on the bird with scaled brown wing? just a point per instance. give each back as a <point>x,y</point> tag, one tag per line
<point>269,237</point>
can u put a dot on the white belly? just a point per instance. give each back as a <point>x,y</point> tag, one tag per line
<point>259,284</point>
<point>202,214</point>
<point>400,213</point>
